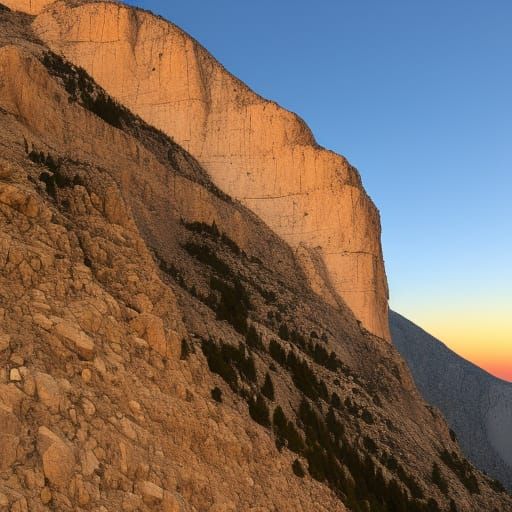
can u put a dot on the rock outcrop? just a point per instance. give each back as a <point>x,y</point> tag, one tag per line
<point>254,150</point>
<point>28,6</point>
<point>477,405</point>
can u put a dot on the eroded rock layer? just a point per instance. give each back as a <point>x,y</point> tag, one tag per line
<point>253,149</point>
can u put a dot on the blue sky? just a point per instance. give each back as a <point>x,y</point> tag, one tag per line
<point>418,96</point>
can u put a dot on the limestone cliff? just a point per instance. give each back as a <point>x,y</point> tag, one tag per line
<point>253,149</point>
<point>28,6</point>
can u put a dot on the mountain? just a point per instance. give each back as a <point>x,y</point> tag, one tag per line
<point>477,405</point>
<point>254,150</point>
<point>162,348</point>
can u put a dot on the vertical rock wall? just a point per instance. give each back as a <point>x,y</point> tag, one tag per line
<point>254,150</point>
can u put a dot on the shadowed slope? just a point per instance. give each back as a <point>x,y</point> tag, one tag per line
<point>477,405</point>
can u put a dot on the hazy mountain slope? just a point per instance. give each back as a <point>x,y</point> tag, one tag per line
<point>253,149</point>
<point>477,405</point>
<point>160,348</point>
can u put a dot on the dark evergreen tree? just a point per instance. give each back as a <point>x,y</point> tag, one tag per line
<point>283,333</point>
<point>438,479</point>
<point>297,469</point>
<point>258,409</point>
<point>185,349</point>
<point>216,394</point>
<point>268,388</point>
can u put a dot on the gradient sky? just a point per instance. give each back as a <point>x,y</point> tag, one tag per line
<point>418,96</point>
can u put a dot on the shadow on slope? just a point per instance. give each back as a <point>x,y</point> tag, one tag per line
<point>477,405</point>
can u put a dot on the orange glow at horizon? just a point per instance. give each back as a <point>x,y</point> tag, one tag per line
<point>481,337</point>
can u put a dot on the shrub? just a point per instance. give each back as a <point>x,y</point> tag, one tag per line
<point>297,339</point>
<point>367,417</point>
<point>438,479</point>
<point>297,469</point>
<point>218,365</point>
<point>369,444</point>
<point>462,469</point>
<point>185,349</point>
<point>279,419</point>
<point>283,332</point>
<point>336,401</point>
<point>432,506</point>
<point>259,412</point>
<point>217,394</point>
<point>241,359</point>
<point>497,486</point>
<point>202,228</point>
<point>205,255</point>
<point>234,303</point>
<point>305,379</point>
<point>285,431</point>
<point>253,339</point>
<point>277,352</point>
<point>268,388</point>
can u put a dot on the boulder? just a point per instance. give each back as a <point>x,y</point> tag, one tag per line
<point>48,391</point>
<point>58,458</point>
<point>76,340</point>
<point>4,341</point>
<point>150,492</point>
<point>9,437</point>
<point>151,328</point>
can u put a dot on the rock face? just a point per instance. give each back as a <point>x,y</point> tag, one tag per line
<point>477,405</point>
<point>254,150</point>
<point>28,6</point>
<point>169,353</point>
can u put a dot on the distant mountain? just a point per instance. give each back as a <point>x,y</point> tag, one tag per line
<point>477,405</point>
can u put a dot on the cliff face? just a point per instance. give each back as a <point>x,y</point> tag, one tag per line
<point>28,6</point>
<point>254,150</point>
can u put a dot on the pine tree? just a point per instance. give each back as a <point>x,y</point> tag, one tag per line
<point>437,478</point>
<point>268,388</point>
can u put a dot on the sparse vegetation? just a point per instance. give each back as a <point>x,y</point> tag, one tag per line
<point>253,339</point>
<point>185,349</point>
<point>438,479</point>
<point>81,89</point>
<point>216,394</point>
<point>54,179</point>
<point>268,388</point>
<point>462,470</point>
<point>234,303</point>
<point>205,255</point>
<point>258,409</point>
<point>297,469</point>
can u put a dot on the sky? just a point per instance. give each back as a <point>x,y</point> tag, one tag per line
<point>418,96</point>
